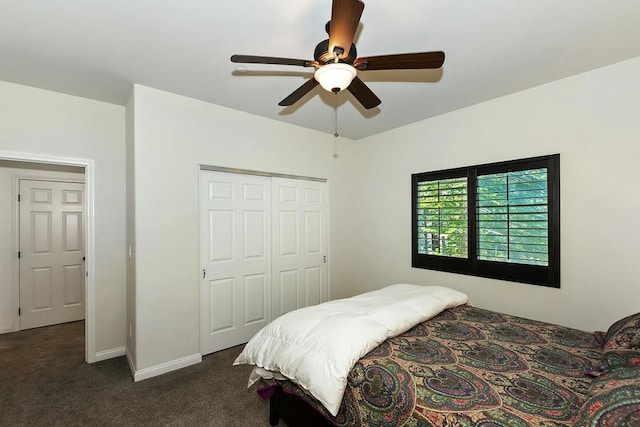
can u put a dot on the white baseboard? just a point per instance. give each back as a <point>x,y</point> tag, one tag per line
<point>7,330</point>
<point>110,354</point>
<point>163,368</point>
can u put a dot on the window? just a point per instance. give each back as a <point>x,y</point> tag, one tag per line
<point>500,220</point>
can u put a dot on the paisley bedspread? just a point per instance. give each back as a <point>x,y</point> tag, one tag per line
<point>469,367</point>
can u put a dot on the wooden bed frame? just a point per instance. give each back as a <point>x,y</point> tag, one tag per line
<point>294,411</point>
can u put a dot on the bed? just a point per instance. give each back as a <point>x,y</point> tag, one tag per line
<point>466,366</point>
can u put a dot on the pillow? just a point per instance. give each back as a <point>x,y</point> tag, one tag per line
<point>622,343</point>
<point>619,327</point>
<point>614,400</point>
<point>612,379</point>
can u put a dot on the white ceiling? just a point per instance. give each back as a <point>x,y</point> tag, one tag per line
<point>98,48</point>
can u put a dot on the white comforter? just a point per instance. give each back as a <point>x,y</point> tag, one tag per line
<point>317,346</point>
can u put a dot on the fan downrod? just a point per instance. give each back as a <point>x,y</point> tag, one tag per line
<point>322,55</point>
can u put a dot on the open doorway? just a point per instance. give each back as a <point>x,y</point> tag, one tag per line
<point>17,167</point>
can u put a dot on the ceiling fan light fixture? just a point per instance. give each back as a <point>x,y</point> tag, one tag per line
<point>335,77</point>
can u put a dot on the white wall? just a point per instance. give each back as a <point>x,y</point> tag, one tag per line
<point>173,135</point>
<point>9,170</point>
<point>47,123</point>
<point>592,120</point>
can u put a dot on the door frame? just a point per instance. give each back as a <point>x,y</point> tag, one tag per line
<point>89,239</point>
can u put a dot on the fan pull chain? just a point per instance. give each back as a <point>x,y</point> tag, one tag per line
<point>335,133</point>
<point>335,113</point>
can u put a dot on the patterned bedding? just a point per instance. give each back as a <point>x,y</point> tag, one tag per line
<point>468,367</point>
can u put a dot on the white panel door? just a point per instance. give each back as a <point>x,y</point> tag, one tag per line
<point>51,253</point>
<point>235,249</point>
<point>300,213</point>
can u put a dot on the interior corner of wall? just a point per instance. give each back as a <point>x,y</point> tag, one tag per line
<point>131,361</point>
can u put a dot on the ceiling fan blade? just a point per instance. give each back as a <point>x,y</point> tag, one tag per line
<point>299,93</point>
<point>251,59</point>
<point>363,94</point>
<point>345,17</point>
<point>403,61</point>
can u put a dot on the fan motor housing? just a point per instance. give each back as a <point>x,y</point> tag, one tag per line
<point>323,56</point>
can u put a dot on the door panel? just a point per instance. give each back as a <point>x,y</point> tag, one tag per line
<point>300,211</point>
<point>313,281</point>
<point>288,233</point>
<point>254,234</point>
<point>74,284</point>
<point>235,231</point>
<point>288,290</point>
<point>220,305</point>
<point>221,227</point>
<point>51,252</point>
<point>255,299</point>
<point>42,289</point>
<point>71,235</point>
<point>41,236</point>
<point>312,233</point>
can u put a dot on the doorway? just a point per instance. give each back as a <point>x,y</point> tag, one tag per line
<point>22,161</point>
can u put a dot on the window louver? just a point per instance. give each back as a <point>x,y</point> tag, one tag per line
<point>513,217</point>
<point>442,217</point>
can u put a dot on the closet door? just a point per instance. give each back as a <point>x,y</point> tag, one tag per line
<point>299,244</point>
<point>235,249</point>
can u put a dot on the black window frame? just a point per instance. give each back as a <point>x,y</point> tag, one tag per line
<point>523,273</point>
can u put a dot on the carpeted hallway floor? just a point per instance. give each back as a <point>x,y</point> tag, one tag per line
<point>45,381</point>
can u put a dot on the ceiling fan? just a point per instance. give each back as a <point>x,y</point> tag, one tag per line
<point>336,61</point>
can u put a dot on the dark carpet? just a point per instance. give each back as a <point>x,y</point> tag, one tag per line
<point>45,381</point>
